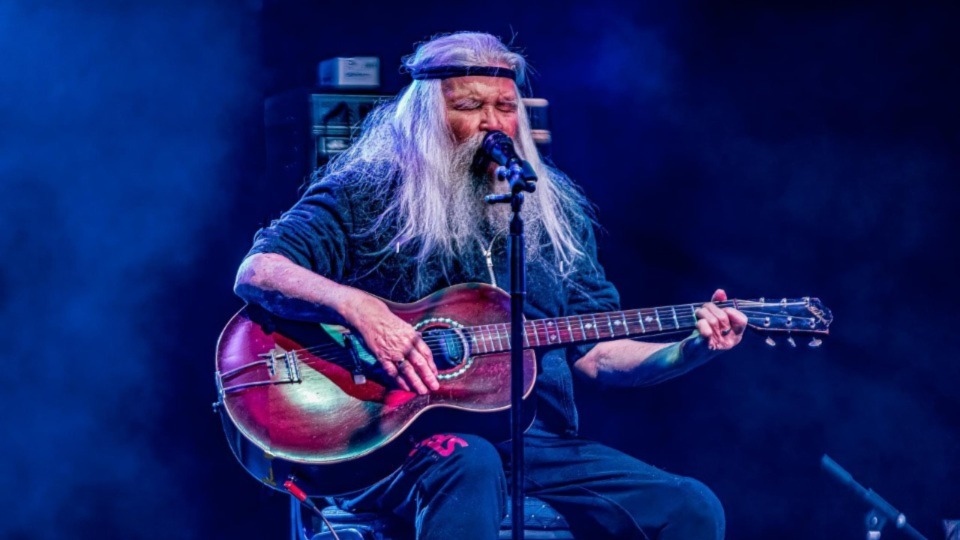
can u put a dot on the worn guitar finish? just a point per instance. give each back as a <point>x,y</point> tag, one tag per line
<point>309,400</point>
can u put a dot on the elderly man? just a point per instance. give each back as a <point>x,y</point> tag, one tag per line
<point>401,214</point>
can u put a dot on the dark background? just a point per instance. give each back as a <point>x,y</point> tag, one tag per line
<point>774,149</point>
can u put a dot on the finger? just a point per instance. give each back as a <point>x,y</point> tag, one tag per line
<point>719,296</point>
<point>424,350</point>
<point>706,321</point>
<point>389,366</point>
<point>723,320</point>
<point>708,333</point>
<point>409,373</point>
<point>738,321</point>
<point>423,369</point>
<point>705,329</point>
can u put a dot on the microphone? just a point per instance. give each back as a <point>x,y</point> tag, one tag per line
<point>498,147</point>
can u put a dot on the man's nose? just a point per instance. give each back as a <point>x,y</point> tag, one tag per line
<point>490,121</point>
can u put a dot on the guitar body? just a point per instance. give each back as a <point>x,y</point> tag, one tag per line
<point>299,398</point>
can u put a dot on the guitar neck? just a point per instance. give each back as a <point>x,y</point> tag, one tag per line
<point>576,329</point>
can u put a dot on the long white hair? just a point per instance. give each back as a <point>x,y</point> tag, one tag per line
<point>435,204</point>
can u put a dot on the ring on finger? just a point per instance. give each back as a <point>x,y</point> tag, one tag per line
<point>400,364</point>
<point>725,332</point>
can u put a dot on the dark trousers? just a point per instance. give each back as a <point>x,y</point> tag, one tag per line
<point>453,487</point>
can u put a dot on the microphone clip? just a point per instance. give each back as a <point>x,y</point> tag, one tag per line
<point>520,175</point>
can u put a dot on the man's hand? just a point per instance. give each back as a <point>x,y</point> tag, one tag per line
<point>395,344</point>
<point>721,328</point>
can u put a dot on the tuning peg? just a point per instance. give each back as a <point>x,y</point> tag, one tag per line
<point>791,341</point>
<point>814,343</point>
<point>769,341</point>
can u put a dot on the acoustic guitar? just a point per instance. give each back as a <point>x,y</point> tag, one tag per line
<point>308,399</point>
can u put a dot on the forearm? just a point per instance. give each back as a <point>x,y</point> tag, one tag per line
<point>287,289</point>
<point>637,363</point>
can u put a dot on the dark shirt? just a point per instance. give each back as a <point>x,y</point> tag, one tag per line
<point>329,231</point>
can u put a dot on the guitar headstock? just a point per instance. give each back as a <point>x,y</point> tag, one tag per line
<point>787,316</point>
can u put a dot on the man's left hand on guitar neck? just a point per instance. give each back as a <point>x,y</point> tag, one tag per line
<point>626,362</point>
<point>722,328</point>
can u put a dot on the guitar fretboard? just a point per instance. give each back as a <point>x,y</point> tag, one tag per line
<point>493,338</point>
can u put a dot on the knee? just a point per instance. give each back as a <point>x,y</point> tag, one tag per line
<point>699,508</point>
<point>469,455</point>
<point>478,457</point>
<point>465,468</point>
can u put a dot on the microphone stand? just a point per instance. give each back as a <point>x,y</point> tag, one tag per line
<point>520,181</point>
<point>880,510</point>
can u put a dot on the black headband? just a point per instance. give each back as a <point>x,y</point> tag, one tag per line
<point>449,72</point>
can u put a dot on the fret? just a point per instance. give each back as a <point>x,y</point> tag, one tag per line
<point>610,325</point>
<point>582,329</point>
<point>643,329</point>
<point>656,311</point>
<point>569,329</point>
<point>499,339</point>
<point>626,326</point>
<point>476,343</point>
<point>675,320</point>
<point>536,337</point>
<point>595,329</point>
<point>508,336</point>
<point>481,340</point>
<point>493,346</point>
<point>526,338</point>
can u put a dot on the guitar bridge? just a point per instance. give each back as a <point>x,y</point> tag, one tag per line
<point>274,367</point>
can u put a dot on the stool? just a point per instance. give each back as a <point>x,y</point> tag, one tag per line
<point>542,523</point>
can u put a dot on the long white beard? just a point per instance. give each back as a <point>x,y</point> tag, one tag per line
<point>468,188</point>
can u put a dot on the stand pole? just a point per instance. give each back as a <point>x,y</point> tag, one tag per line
<point>498,148</point>
<point>880,510</point>
<point>518,293</point>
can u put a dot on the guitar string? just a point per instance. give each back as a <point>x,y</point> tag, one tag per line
<point>671,313</point>
<point>494,333</point>
<point>339,354</point>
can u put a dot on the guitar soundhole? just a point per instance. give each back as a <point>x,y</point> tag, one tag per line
<point>447,347</point>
